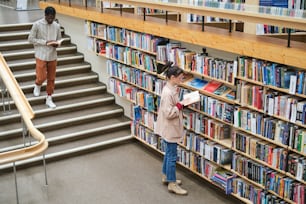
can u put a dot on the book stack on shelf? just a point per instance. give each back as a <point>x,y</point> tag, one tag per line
<point>245,120</point>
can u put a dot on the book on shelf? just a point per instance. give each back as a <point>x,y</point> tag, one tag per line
<point>222,90</point>
<point>212,86</point>
<point>231,95</point>
<point>197,83</point>
<point>191,98</point>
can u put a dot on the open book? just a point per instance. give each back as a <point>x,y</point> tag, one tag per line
<point>56,42</point>
<point>191,98</point>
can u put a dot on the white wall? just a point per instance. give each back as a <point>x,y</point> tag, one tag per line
<point>75,28</point>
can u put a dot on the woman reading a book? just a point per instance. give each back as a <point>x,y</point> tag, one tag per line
<point>170,125</point>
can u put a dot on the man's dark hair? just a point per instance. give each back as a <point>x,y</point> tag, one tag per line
<point>50,11</point>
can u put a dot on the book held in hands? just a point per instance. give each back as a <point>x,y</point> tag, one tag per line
<point>191,98</point>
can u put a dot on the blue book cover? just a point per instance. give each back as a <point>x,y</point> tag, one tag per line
<point>197,83</point>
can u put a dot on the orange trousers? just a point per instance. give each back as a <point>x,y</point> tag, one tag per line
<point>46,70</point>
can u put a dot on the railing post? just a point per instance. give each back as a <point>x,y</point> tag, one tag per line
<point>101,2</point>
<point>166,17</point>
<point>16,186</point>
<point>144,14</point>
<point>203,19</point>
<point>289,37</point>
<point>230,26</point>
<point>5,97</point>
<point>45,167</point>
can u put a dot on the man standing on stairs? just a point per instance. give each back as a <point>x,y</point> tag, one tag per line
<point>45,35</point>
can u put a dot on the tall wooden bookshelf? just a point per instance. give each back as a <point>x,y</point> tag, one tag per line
<point>257,123</point>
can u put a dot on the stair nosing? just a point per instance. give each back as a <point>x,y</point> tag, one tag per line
<point>79,118</point>
<point>68,136</point>
<point>32,51</point>
<point>80,67</point>
<point>69,151</point>
<point>32,62</point>
<point>64,107</point>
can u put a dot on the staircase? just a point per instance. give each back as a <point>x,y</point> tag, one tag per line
<point>86,117</point>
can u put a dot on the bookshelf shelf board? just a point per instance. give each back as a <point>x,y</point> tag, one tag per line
<point>294,150</point>
<point>246,201</point>
<point>147,144</point>
<point>217,119</point>
<point>262,137</point>
<point>248,14</point>
<point>97,36</point>
<point>207,93</point>
<point>224,142</point>
<point>212,78</point>
<point>270,87</point>
<point>259,161</point>
<point>235,42</point>
<point>293,177</point>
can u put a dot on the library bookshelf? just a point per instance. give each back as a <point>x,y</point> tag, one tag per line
<point>266,139</point>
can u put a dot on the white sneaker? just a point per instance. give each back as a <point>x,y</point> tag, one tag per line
<point>36,90</point>
<point>49,102</point>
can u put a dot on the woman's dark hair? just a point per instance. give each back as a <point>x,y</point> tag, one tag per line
<point>168,70</point>
<point>50,11</point>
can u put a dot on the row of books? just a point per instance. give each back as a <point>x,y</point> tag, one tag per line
<point>130,56</point>
<point>273,103</point>
<point>95,29</point>
<point>213,87</point>
<point>273,74</point>
<point>144,134</point>
<point>206,148</point>
<point>223,179</point>
<point>202,124</point>
<point>142,41</point>
<point>260,149</point>
<point>214,108</point>
<point>281,132</point>
<point>283,186</point>
<point>123,36</point>
<point>131,75</point>
<point>276,157</point>
<point>256,195</point>
<point>200,63</point>
<point>250,95</point>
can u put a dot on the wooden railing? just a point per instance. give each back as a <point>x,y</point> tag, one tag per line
<point>27,115</point>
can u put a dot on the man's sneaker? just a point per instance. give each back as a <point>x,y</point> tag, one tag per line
<point>49,102</point>
<point>36,90</point>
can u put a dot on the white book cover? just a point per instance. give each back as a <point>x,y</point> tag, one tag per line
<point>191,98</point>
<point>292,86</point>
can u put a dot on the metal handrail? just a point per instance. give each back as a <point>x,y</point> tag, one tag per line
<point>27,114</point>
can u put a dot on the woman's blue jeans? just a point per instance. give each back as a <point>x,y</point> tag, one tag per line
<point>169,163</point>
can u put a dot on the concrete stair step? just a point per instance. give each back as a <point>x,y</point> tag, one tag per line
<point>78,92</point>
<point>28,53</point>
<point>11,28</point>
<point>18,44</point>
<point>69,152</point>
<point>109,114</point>
<point>88,100</point>
<point>62,70</point>
<point>63,81</point>
<point>62,59</point>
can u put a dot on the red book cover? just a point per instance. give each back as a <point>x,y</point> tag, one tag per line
<point>212,86</point>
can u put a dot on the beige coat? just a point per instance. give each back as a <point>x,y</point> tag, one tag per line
<point>169,123</point>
